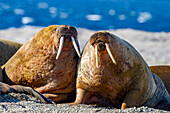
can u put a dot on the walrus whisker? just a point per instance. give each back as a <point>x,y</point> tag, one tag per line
<point>110,54</point>
<point>96,51</point>
<point>75,46</point>
<point>60,47</point>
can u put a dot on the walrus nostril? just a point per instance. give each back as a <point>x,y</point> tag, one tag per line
<point>67,38</point>
<point>98,41</point>
<point>101,46</point>
<point>63,29</point>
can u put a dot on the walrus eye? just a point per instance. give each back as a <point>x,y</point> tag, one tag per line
<point>55,29</point>
<point>93,40</point>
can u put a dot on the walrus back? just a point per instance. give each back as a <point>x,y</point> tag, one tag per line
<point>8,49</point>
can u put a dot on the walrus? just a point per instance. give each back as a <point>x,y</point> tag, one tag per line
<point>163,71</point>
<point>47,63</point>
<point>8,49</point>
<point>112,73</point>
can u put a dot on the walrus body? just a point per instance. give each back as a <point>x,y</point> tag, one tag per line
<point>46,63</point>
<point>119,77</point>
<point>163,71</point>
<point>7,49</point>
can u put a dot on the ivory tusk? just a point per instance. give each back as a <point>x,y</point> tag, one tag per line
<point>60,47</point>
<point>110,54</point>
<point>97,59</point>
<point>75,46</point>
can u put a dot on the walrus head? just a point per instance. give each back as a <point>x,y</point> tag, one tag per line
<point>100,41</point>
<point>65,36</point>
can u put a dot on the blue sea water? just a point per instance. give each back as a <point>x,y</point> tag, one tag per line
<point>147,15</point>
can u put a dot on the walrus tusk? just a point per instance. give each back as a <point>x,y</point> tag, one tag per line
<point>75,46</point>
<point>60,47</point>
<point>110,54</point>
<point>96,51</point>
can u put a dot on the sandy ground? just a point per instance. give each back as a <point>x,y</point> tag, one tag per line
<point>153,46</point>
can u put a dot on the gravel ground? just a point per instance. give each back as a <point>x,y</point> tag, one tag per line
<point>15,103</point>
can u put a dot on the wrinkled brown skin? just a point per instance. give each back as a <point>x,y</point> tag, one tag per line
<point>35,64</point>
<point>7,49</point>
<point>126,84</point>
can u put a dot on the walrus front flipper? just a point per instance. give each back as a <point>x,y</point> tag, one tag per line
<point>29,90</point>
<point>5,89</point>
<point>164,105</point>
<point>163,71</point>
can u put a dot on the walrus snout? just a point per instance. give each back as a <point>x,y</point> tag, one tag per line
<point>65,30</point>
<point>66,34</point>
<point>100,41</point>
<point>101,46</point>
<point>67,40</point>
<point>101,36</point>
